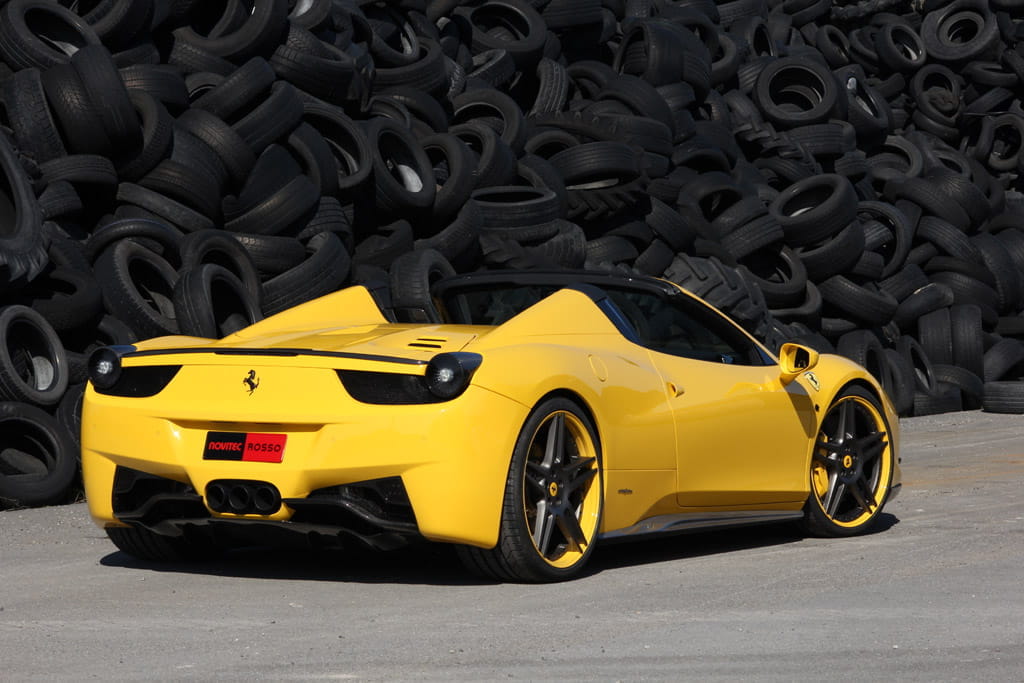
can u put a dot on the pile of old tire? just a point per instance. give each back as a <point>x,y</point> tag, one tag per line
<point>843,175</point>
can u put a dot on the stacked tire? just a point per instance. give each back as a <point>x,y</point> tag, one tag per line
<point>846,175</point>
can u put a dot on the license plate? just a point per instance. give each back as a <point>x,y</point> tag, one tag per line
<point>244,446</point>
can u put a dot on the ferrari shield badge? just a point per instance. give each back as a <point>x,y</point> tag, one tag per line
<point>812,379</point>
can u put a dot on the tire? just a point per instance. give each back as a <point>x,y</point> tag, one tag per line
<point>138,288</point>
<point>56,33</point>
<point>553,499</point>
<point>22,248</point>
<point>1004,397</point>
<point>33,364</point>
<point>210,301</point>
<point>794,91</point>
<point>851,480</point>
<point>35,130</point>
<point>37,460</point>
<point>325,269</point>
<point>412,276</point>
<point>403,175</point>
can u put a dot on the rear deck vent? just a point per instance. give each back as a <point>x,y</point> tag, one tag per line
<point>428,343</point>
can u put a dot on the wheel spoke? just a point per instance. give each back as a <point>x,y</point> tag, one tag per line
<point>859,497</point>
<point>834,495</point>
<point>871,446</point>
<point>823,458</point>
<point>536,477</point>
<point>543,526</point>
<point>845,420</point>
<point>571,529</point>
<point>555,445</point>
<point>579,474</point>
<point>868,501</point>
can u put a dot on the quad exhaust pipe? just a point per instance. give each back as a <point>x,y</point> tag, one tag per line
<point>243,497</point>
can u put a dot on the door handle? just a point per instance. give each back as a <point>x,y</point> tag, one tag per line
<point>676,389</point>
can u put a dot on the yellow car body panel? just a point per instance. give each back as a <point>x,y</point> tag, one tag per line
<point>660,419</point>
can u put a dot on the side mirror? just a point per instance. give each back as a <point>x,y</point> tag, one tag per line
<point>795,359</point>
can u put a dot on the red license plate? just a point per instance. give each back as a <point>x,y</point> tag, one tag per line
<point>244,446</point>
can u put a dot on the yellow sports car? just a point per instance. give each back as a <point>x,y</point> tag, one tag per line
<point>532,416</point>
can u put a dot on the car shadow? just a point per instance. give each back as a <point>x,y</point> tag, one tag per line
<point>438,564</point>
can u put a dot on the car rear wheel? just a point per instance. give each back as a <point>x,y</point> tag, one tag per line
<point>553,499</point>
<point>851,467</point>
<point>147,545</point>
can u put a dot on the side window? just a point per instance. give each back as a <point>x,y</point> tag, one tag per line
<point>685,328</point>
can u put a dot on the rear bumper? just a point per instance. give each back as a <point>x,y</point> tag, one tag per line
<point>451,459</point>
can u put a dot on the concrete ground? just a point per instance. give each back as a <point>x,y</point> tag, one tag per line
<point>935,594</point>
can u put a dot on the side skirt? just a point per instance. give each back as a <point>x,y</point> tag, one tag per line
<point>698,521</point>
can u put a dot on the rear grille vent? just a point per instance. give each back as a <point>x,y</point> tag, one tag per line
<point>428,343</point>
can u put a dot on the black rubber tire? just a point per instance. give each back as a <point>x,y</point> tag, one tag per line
<point>157,136</point>
<point>348,143</point>
<point>174,212</point>
<point>38,459</point>
<point>264,26</point>
<point>310,148</point>
<point>495,162</point>
<point>138,287</point>
<point>232,150</point>
<point>22,249</point>
<point>915,356</point>
<point>936,336</point>
<point>221,248</point>
<point>511,206</point>
<point>864,304</point>
<point>325,269</point>
<point>516,556</point>
<point>411,276</point>
<point>35,130</point>
<point>69,412</point>
<point>972,388</point>
<point>157,236</point>
<point>815,209</point>
<point>454,165</point>
<point>238,92</point>
<point>793,91</point>
<point>65,297</point>
<point>1004,397</point>
<point>1004,360</point>
<point>725,288</point>
<point>834,255</point>
<point>403,175</point>
<point>271,254</point>
<point>902,391</point>
<point>965,324</point>
<point>210,301</point>
<point>106,91</point>
<point>53,36</point>
<point>931,297</point>
<point>495,109</point>
<point>33,364</point>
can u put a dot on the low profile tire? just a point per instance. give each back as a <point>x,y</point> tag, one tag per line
<point>147,545</point>
<point>553,499</point>
<point>851,466</point>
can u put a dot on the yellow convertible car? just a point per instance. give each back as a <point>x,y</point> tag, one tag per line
<point>531,417</point>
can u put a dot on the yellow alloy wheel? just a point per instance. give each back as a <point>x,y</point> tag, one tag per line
<point>851,466</point>
<point>553,499</point>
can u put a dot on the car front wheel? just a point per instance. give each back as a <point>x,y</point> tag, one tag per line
<point>851,466</point>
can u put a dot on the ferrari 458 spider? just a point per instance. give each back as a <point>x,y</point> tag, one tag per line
<point>530,417</point>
